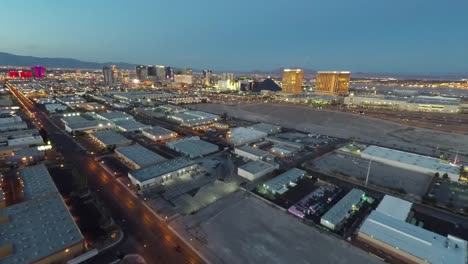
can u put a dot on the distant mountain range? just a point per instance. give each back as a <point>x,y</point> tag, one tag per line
<point>8,59</point>
<point>25,61</point>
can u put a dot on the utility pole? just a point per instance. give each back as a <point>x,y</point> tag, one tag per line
<point>368,172</point>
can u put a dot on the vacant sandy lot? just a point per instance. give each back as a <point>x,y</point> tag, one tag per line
<point>347,125</point>
<point>244,229</point>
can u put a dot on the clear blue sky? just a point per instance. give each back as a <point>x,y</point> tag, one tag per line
<point>400,36</point>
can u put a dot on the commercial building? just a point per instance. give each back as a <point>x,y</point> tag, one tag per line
<point>267,128</point>
<point>130,125</point>
<point>279,184</point>
<point>183,79</point>
<point>192,147</point>
<point>240,135</point>
<point>5,136</point>
<point>411,161</point>
<point>228,85</point>
<point>250,153</point>
<point>110,74</point>
<point>108,138</point>
<point>55,107</point>
<point>114,116</point>
<point>158,133</point>
<point>40,229</point>
<point>418,103</point>
<point>194,118</point>
<point>292,81</point>
<point>409,243</point>
<point>13,126</point>
<point>341,211</point>
<point>137,157</point>
<point>26,141</point>
<point>256,169</point>
<point>332,82</point>
<point>157,174</point>
<point>8,120</point>
<point>283,150</point>
<point>142,72</point>
<point>25,156</point>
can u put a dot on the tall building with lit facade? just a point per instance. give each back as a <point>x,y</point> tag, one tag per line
<point>38,71</point>
<point>110,74</point>
<point>161,73</point>
<point>292,81</point>
<point>152,71</point>
<point>332,82</point>
<point>142,72</point>
<point>169,73</point>
<point>207,77</point>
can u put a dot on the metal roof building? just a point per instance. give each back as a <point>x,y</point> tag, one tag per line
<point>256,169</point>
<point>250,153</point>
<point>241,135</point>
<point>158,133</point>
<point>38,229</point>
<point>136,156</point>
<point>280,183</point>
<point>114,116</point>
<point>411,161</point>
<point>158,173</point>
<point>192,147</point>
<point>411,243</point>
<point>335,217</point>
<point>36,181</point>
<point>130,125</point>
<point>394,207</point>
<point>109,137</point>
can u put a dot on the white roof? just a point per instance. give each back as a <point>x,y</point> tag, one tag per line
<point>241,135</point>
<point>427,162</point>
<point>140,155</point>
<point>415,240</point>
<point>394,207</point>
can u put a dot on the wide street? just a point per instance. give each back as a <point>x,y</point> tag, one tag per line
<point>149,237</point>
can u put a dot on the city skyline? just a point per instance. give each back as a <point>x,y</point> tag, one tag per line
<point>383,37</point>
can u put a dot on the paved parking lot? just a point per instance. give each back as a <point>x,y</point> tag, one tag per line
<point>349,165</point>
<point>450,194</point>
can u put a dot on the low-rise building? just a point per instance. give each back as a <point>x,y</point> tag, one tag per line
<point>283,150</point>
<point>158,133</point>
<point>341,211</point>
<point>13,126</point>
<point>280,183</point>
<point>130,125</point>
<point>256,169</point>
<point>157,174</point>
<point>193,118</point>
<point>192,147</point>
<point>250,153</point>
<point>137,157</point>
<point>408,243</point>
<point>55,107</point>
<point>107,138</point>
<point>26,141</point>
<point>411,161</point>
<point>114,116</point>
<point>24,156</point>
<point>39,229</point>
<point>240,136</point>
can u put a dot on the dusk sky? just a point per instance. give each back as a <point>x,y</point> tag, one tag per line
<point>396,36</point>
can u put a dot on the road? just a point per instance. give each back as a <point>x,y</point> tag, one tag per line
<point>153,239</point>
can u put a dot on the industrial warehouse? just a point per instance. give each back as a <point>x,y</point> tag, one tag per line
<point>136,156</point>
<point>411,161</point>
<point>156,174</point>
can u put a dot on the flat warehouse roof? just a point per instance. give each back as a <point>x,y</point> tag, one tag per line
<point>394,207</point>
<point>282,180</point>
<point>115,115</point>
<point>109,137</point>
<point>130,124</point>
<point>414,240</point>
<point>340,209</point>
<point>161,169</point>
<point>256,166</point>
<point>140,155</point>
<point>38,228</point>
<point>267,128</point>
<point>37,181</point>
<point>411,159</point>
<point>193,147</point>
<point>253,151</point>
<point>158,131</point>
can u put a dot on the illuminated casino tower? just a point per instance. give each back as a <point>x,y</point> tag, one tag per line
<point>38,71</point>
